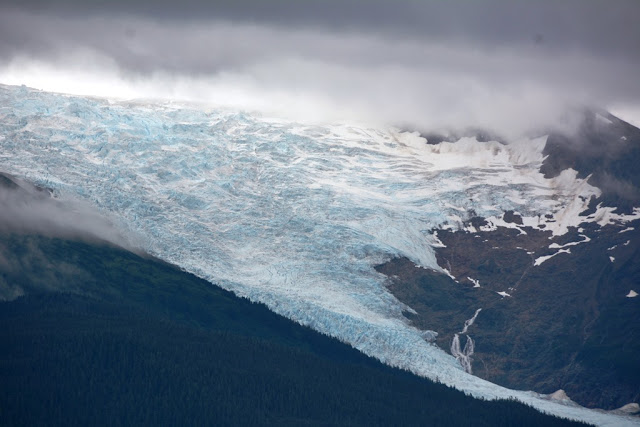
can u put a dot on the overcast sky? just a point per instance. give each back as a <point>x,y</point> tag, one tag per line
<point>510,66</point>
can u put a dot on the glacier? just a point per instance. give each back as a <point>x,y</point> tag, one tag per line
<point>294,215</point>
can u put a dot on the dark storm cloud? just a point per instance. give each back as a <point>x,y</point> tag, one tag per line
<point>605,27</point>
<point>494,63</point>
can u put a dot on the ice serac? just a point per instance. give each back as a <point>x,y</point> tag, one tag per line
<point>292,215</point>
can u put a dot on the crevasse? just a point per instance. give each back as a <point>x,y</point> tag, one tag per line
<point>293,215</point>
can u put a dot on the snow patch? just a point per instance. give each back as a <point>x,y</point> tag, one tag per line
<point>437,243</point>
<point>557,246</point>
<point>542,259</point>
<point>469,228</point>
<point>448,273</point>
<point>476,283</point>
<point>604,215</point>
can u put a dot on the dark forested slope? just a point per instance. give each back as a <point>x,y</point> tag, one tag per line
<point>102,336</point>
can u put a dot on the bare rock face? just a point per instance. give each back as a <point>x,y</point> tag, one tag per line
<point>563,324</point>
<point>559,395</point>
<point>629,408</point>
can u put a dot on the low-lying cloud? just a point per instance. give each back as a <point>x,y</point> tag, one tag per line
<point>312,70</point>
<point>27,212</point>
<point>27,209</point>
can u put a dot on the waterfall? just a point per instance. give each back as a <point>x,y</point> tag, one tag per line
<point>463,356</point>
<point>469,322</point>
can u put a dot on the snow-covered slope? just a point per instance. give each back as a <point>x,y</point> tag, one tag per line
<point>293,215</point>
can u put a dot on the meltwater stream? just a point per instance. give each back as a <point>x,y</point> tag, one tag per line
<point>293,215</point>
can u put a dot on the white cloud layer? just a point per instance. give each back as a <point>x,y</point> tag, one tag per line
<point>26,209</point>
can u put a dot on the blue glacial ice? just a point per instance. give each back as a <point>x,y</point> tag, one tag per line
<point>294,215</point>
